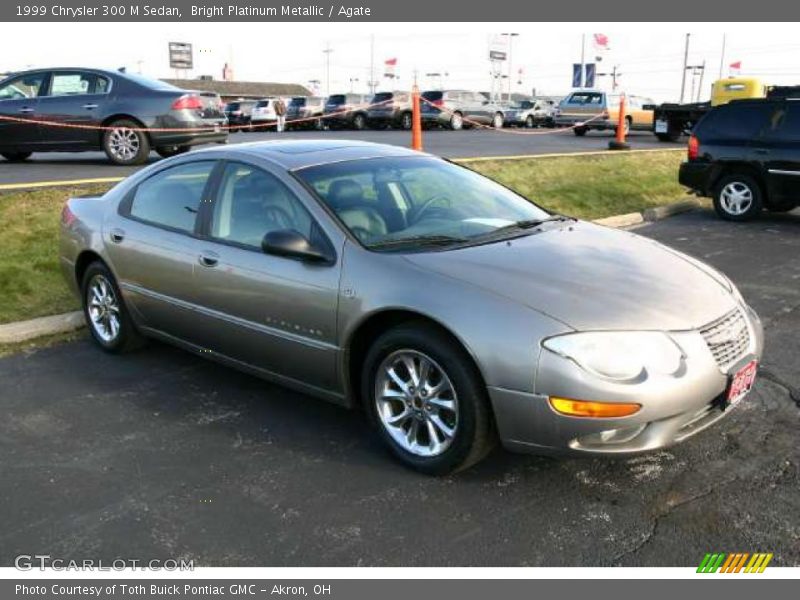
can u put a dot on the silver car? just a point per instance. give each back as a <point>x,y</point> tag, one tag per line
<point>449,308</point>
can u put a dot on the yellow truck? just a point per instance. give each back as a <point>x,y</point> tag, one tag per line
<point>671,120</point>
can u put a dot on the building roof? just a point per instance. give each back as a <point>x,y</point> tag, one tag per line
<point>243,89</point>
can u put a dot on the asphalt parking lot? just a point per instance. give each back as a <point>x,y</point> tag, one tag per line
<point>161,454</point>
<point>59,166</point>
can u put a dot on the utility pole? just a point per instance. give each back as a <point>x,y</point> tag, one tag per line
<point>685,66</point>
<point>511,37</point>
<point>372,82</point>
<point>722,54</point>
<point>327,51</point>
<point>583,57</point>
<point>700,85</point>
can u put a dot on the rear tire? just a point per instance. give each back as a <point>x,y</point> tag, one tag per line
<point>359,122</point>
<point>580,131</point>
<point>737,197</point>
<point>406,121</point>
<point>529,122</point>
<point>105,312</point>
<point>16,156</point>
<point>464,433</point>
<point>457,121</point>
<point>668,137</point>
<point>498,120</point>
<point>125,144</point>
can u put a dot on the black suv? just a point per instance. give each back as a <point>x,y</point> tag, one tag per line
<point>238,114</point>
<point>746,156</point>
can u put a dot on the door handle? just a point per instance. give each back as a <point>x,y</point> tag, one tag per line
<point>90,106</point>
<point>208,259</point>
<point>26,109</point>
<point>117,235</point>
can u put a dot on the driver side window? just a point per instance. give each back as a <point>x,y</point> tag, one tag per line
<point>19,88</point>
<point>251,203</point>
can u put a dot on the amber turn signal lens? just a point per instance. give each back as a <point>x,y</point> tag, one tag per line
<point>598,410</point>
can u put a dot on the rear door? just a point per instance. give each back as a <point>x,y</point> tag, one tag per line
<point>782,142</point>
<point>153,245</point>
<point>76,100</point>
<point>19,100</point>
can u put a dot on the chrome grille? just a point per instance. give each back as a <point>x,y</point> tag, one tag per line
<point>728,338</point>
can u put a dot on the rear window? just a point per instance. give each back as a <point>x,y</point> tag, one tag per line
<point>736,121</point>
<point>153,84</point>
<point>382,97</point>
<point>299,101</point>
<point>262,103</point>
<point>336,99</point>
<point>233,106</point>
<point>432,96</point>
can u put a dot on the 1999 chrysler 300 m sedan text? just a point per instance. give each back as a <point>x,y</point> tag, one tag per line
<point>452,309</point>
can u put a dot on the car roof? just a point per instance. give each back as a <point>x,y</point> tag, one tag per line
<point>298,154</point>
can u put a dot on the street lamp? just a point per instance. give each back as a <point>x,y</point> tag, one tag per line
<point>353,80</point>
<point>511,37</point>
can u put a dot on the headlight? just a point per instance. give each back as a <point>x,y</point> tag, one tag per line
<point>619,355</point>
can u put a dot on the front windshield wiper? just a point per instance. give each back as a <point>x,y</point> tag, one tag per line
<point>419,240</point>
<point>524,224</point>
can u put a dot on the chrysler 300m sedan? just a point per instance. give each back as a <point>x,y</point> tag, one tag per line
<point>452,310</point>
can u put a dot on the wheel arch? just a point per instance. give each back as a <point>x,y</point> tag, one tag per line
<point>82,262</point>
<point>739,168</point>
<point>374,325</point>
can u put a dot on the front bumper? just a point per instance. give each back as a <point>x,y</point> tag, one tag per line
<point>673,409</point>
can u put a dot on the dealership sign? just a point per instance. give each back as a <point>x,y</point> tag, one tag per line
<point>180,55</point>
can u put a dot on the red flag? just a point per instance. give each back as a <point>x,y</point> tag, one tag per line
<point>736,65</point>
<point>390,62</point>
<point>601,41</point>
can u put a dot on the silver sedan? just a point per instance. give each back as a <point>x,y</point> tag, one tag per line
<point>449,308</point>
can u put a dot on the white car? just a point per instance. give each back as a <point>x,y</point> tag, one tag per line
<point>264,112</point>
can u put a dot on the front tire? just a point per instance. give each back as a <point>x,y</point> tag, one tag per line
<point>125,143</point>
<point>426,400</point>
<point>16,156</point>
<point>457,121</point>
<point>105,312</point>
<point>406,121</point>
<point>579,131</point>
<point>529,122</point>
<point>498,120</point>
<point>737,198</point>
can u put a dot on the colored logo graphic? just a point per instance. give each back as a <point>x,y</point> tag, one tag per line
<point>739,562</point>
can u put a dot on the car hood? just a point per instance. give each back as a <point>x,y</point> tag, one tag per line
<point>592,278</point>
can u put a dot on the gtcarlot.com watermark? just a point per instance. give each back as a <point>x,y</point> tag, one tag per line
<point>43,562</point>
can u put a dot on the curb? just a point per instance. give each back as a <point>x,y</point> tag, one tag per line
<point>22,331</point>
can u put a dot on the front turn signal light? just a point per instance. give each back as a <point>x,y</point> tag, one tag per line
<point>597,410</point>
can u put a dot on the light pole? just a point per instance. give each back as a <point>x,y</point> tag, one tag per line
<point>327,51</point>
<point>353,80</point>
<point>511,37</point>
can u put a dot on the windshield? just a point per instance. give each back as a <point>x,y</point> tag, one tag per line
<point>403,202</point>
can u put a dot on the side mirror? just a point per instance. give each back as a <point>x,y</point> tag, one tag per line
<point>292,244</point>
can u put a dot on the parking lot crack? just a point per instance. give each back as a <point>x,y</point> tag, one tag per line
<point>771,376</point>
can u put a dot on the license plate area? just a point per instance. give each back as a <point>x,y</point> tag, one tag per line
<point>662,126</point>
<point>740,384</point>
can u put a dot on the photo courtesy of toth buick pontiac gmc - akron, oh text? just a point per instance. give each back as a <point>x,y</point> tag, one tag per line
<point>453,311</point>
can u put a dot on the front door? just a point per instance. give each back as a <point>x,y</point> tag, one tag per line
<point>19,100</point>
<point>272,312</point>
<point>782,154</point>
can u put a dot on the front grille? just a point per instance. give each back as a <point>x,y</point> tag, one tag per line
<point>728,338</point>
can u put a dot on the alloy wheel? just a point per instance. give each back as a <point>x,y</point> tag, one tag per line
<point>736,198</point>
<point>123,143</point>
<point>416,403</point>
<point>103,309</point>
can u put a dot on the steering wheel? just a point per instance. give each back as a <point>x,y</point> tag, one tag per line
<point>278,216</point>
<point>426,204</point>
<point>361,233</point>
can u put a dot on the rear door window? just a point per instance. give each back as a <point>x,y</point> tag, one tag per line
<point>77,84</point>
<point>785,123</point>
<point>737,121</point>
<point>172,198</point>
